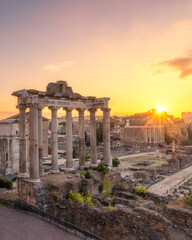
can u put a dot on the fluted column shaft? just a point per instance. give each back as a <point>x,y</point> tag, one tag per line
<point>22,142</point>
<point>40,140</point>
<point>106,137</point>
<point>34,148</point>
<point>81,138</point>
<point>54,140</point>
<point>69,138</point>
<point>93,138</point>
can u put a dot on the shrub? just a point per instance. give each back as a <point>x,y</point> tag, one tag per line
<point>115,162</point>
<point>88,200</point>
<point>101,188</point>
<point>75,197</point>
<point>86,168</point>
<point>79,197</point>
<point>108,184</point>
<point>141,190</point>
<point>188,199</point>
<point>94,168</point>
<point>111,208</point>
<point>5,183</point>
<point>88,175</point>
<point>102,168</point>
<point>87,156</point>
<point>54,198</point>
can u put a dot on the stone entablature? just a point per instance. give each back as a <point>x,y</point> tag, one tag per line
<point>59,95</point>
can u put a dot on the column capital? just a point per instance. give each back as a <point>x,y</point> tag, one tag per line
<point>81,109</point>
<point>68,109</point>
<point>52,108</point>
<point>40,107</point>
<point>106,109</point>
<point>92,110</point>
<point>21,107</point>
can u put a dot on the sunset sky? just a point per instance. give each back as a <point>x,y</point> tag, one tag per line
<point>137,52</point>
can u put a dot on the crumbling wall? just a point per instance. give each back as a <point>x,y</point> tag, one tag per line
<point>121,223</point>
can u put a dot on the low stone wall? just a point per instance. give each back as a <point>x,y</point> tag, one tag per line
<point>31,193</point>
<point>121,223</point>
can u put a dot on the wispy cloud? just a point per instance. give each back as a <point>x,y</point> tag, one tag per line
<point>181,64</point>
<point>58,66</point>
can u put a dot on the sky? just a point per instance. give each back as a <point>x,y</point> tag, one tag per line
<point>136,52</point>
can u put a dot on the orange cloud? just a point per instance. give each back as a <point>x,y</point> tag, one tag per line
<point>182,64</point>
<point>57,67</point>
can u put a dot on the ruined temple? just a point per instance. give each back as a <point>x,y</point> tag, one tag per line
<point>59,95</point>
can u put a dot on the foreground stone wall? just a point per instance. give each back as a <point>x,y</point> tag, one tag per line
<point>180,216</point>
<point>121,223</point>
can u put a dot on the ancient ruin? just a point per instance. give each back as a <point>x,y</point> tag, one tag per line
<point>59,95</point>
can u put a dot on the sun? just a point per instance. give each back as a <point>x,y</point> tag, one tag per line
<point>161,109</point>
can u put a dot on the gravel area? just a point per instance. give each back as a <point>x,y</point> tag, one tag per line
<point>16,225</point>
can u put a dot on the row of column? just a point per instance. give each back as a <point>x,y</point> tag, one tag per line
<point>36,140</point>
<point>154,134</point>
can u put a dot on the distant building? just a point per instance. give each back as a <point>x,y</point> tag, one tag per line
<point>9,143</point>
<point>143,128</point>
<point>187,117</point>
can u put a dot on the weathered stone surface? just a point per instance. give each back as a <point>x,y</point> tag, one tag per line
<point>121,223</point>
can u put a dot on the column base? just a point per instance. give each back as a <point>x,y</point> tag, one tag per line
<point>34,180</point>
<point>8,171</point>
<point>93,164</point>
<point>54,171</point>
<point>82,167</point>
<point>69,170</point>
<point>23,175</point>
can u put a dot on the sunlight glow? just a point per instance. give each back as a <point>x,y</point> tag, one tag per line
<point>161,109</point>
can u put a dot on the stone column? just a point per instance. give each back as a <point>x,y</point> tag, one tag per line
<point>154,138</point>
<point>8,163</point>
<point>106,137</point>
<point>93,137</point>
<point>69,138</point>
<point>34,148</point>
<point>40,140</point>
<point>81,138</point>
<point>149,134</point>
<point>54,140</point>
<point>146,137</point>
<point>22,142</point>
<point>157,135</point>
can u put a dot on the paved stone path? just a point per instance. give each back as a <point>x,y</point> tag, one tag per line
<point>167,185</point>
<point>139,155</point>
<point>15,225</point>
